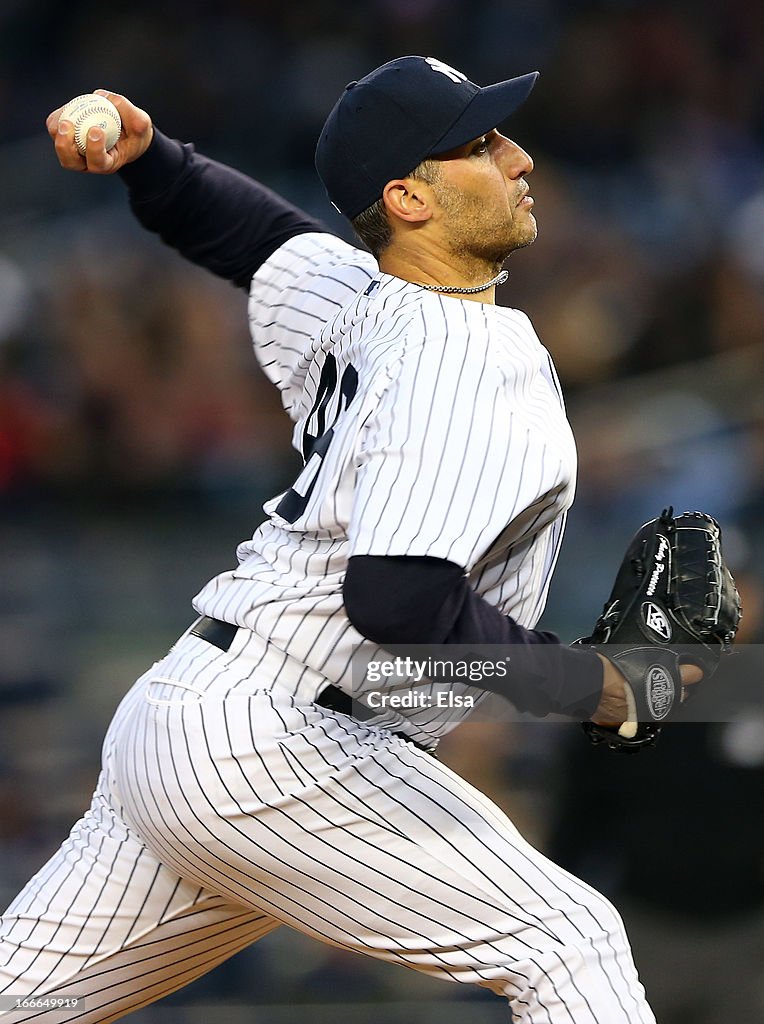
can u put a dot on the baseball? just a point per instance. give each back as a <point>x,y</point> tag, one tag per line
<point>92,111</point>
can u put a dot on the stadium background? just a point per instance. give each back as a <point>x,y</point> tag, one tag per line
<point>138,440</point>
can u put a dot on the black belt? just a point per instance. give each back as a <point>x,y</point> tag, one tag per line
<point>216,632</point>
<point>220,634</point>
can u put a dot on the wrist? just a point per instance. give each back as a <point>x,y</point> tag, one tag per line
<point>154,171</point>
<point>616,698</point>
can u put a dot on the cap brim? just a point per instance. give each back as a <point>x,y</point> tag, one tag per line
<point>489,108</point>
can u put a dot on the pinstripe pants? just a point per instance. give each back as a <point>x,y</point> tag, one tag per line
<point>225,808</point>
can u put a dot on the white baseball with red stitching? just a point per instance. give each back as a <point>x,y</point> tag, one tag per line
<point>92,111</point>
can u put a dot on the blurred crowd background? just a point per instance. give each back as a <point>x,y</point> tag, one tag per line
<point>138,440</point>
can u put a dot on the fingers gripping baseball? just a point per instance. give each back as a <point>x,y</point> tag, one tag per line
<point>135,134</point>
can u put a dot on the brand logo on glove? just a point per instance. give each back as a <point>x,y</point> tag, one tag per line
<point>656,622</point>
<point>659,690</point>
<point>661,561</point>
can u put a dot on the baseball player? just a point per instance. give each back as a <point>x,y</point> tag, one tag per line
<point>239,790</point>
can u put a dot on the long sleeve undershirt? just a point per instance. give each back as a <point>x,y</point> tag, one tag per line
<point>402,600</point>
<point>213,215</point>
<point>230,224</point>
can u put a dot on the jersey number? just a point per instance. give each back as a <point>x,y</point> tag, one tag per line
<point>315,445</point>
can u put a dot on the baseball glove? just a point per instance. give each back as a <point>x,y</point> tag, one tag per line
<point>673,601</point>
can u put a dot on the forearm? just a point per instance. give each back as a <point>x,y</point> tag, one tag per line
<point>403,601</point>
<point>213,215</point>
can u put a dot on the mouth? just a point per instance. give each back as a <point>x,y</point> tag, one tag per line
<point>525,200</point>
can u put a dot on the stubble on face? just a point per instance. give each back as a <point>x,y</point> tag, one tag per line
<point>477,232</point>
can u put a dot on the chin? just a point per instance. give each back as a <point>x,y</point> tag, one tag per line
<point>518,236</point>
<point>527,237</point>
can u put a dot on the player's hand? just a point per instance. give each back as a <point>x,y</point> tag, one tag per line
<point>613,708</point>
<point>134,139</point>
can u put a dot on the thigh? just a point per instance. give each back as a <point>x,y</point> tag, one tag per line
<point>105,923</point>
<point>359,839</point>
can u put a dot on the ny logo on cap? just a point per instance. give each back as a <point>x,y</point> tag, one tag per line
<point>445,69</point>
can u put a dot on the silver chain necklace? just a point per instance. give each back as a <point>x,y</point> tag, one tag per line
<point>500,278</point>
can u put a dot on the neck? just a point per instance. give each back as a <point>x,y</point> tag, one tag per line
<point>474,280</point>
<point>466,291</point>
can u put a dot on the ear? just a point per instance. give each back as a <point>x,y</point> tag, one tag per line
<point>408,199</point>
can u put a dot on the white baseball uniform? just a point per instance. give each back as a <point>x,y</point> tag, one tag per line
<point>229,801</point>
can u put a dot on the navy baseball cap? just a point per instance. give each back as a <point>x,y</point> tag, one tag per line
<point>411,108</point>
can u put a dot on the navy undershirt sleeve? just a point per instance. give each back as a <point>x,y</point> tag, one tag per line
<point>213,215</point>
<point>403,600</point>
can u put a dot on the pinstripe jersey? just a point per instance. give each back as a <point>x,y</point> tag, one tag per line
<point>429,425</point>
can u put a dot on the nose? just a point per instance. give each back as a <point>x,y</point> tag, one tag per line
<point>515,162</point>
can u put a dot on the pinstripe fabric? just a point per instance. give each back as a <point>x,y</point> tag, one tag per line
<point>226,807</point>
<point>229,802</point>
<point>454,445</point>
